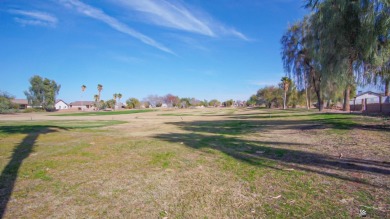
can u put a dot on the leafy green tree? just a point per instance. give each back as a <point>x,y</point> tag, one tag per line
<point>214,103</point>
<point>252,101</point>
<point>228,103</point>
<point>110,103</point>
<point>42,92</point>
<point>299,49</point>
<point>6,105</point>
<point>271,96</point>
<point>133,103</point>
<point>348,32</point>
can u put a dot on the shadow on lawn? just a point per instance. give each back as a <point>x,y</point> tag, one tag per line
<point>20,153</point>
<point>258,152</point>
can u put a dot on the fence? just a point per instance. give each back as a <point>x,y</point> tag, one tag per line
<point>371,105</point>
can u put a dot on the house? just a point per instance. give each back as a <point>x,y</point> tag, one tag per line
<point>82,105</point>
<point>369,95</point>
<point>22,103</point>
<point>60,104</point>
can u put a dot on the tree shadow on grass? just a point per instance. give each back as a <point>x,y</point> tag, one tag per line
<point>20,153</point>
<point>220,136</point>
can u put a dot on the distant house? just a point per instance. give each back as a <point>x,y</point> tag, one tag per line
<point>82,105</point>
<point>22,103</point>
<point>60,104</point>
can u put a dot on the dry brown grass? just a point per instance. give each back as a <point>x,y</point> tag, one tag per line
<point>201,163</point>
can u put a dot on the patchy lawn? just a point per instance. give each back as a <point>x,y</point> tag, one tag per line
<point>214,164</point>
<point>105,113</point>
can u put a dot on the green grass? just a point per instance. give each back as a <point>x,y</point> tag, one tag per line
<point>26,127</point>
<point>175,114</point>
<point>106,113</point>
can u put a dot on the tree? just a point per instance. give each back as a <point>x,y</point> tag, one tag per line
<point>99,88</point>
<point>299,49</point>
<point>252,100</point>
<point>228,103</point>
<point>6,105</point>
<point>119,97</point>
<point>348,33</point>
<point>115,96</point>
<point>214,103</point>
<point>154,100</point>
<point>110,103</point>
<point>271,96</point>
<point>285,85</point>
<point>42,92</point>
<point>96,97</point>
<point>83,87</point>
<point>133,103</point>
<point>171,100</point>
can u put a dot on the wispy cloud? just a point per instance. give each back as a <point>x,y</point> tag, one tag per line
<point>176,15</point>
<point>36,18</point>
<point>98,14</point>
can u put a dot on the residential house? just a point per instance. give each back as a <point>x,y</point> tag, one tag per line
<point>82,105</point>
<point>22,103</point>
<point>60,104</point>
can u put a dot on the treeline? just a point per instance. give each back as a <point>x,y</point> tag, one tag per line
<point>342,44</point>
<point>286,94</point>
<point>153,101</point>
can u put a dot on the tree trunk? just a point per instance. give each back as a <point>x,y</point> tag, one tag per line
<point>346,106</point>
<point>387,84</point>
<point>284,99</point>
<point>347,92</point>
<point>320,101</point>
<point>307,99</point>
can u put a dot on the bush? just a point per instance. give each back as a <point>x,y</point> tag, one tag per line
<point>33,110</point>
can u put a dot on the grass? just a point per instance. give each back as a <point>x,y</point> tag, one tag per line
<point>106,113</point>
<point>229,164</point>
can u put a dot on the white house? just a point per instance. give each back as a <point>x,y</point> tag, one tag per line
<point>60,104</point>
<point>369,95</point>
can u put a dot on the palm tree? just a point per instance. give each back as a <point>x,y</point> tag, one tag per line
<point>96,98</point>
<point>115,96</point>
<point>100,88</point>
<point>285,84</point>
<point>83,87</point>
<point>119,97</point>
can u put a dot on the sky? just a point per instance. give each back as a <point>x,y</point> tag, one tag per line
<point>207,49</point>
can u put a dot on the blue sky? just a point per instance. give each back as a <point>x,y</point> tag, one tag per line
<point>195,48</point>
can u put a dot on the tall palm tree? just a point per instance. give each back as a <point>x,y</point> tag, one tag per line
<point>119,97</point>
<point>99,88</point>
<point>83,87</point>
<point>96,97</point>
<point>286,84</point>
<point>115,96</point>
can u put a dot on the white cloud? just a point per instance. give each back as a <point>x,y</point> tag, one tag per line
<point>98,14</point>
<point>179,16</point>
<point>35,18</point>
